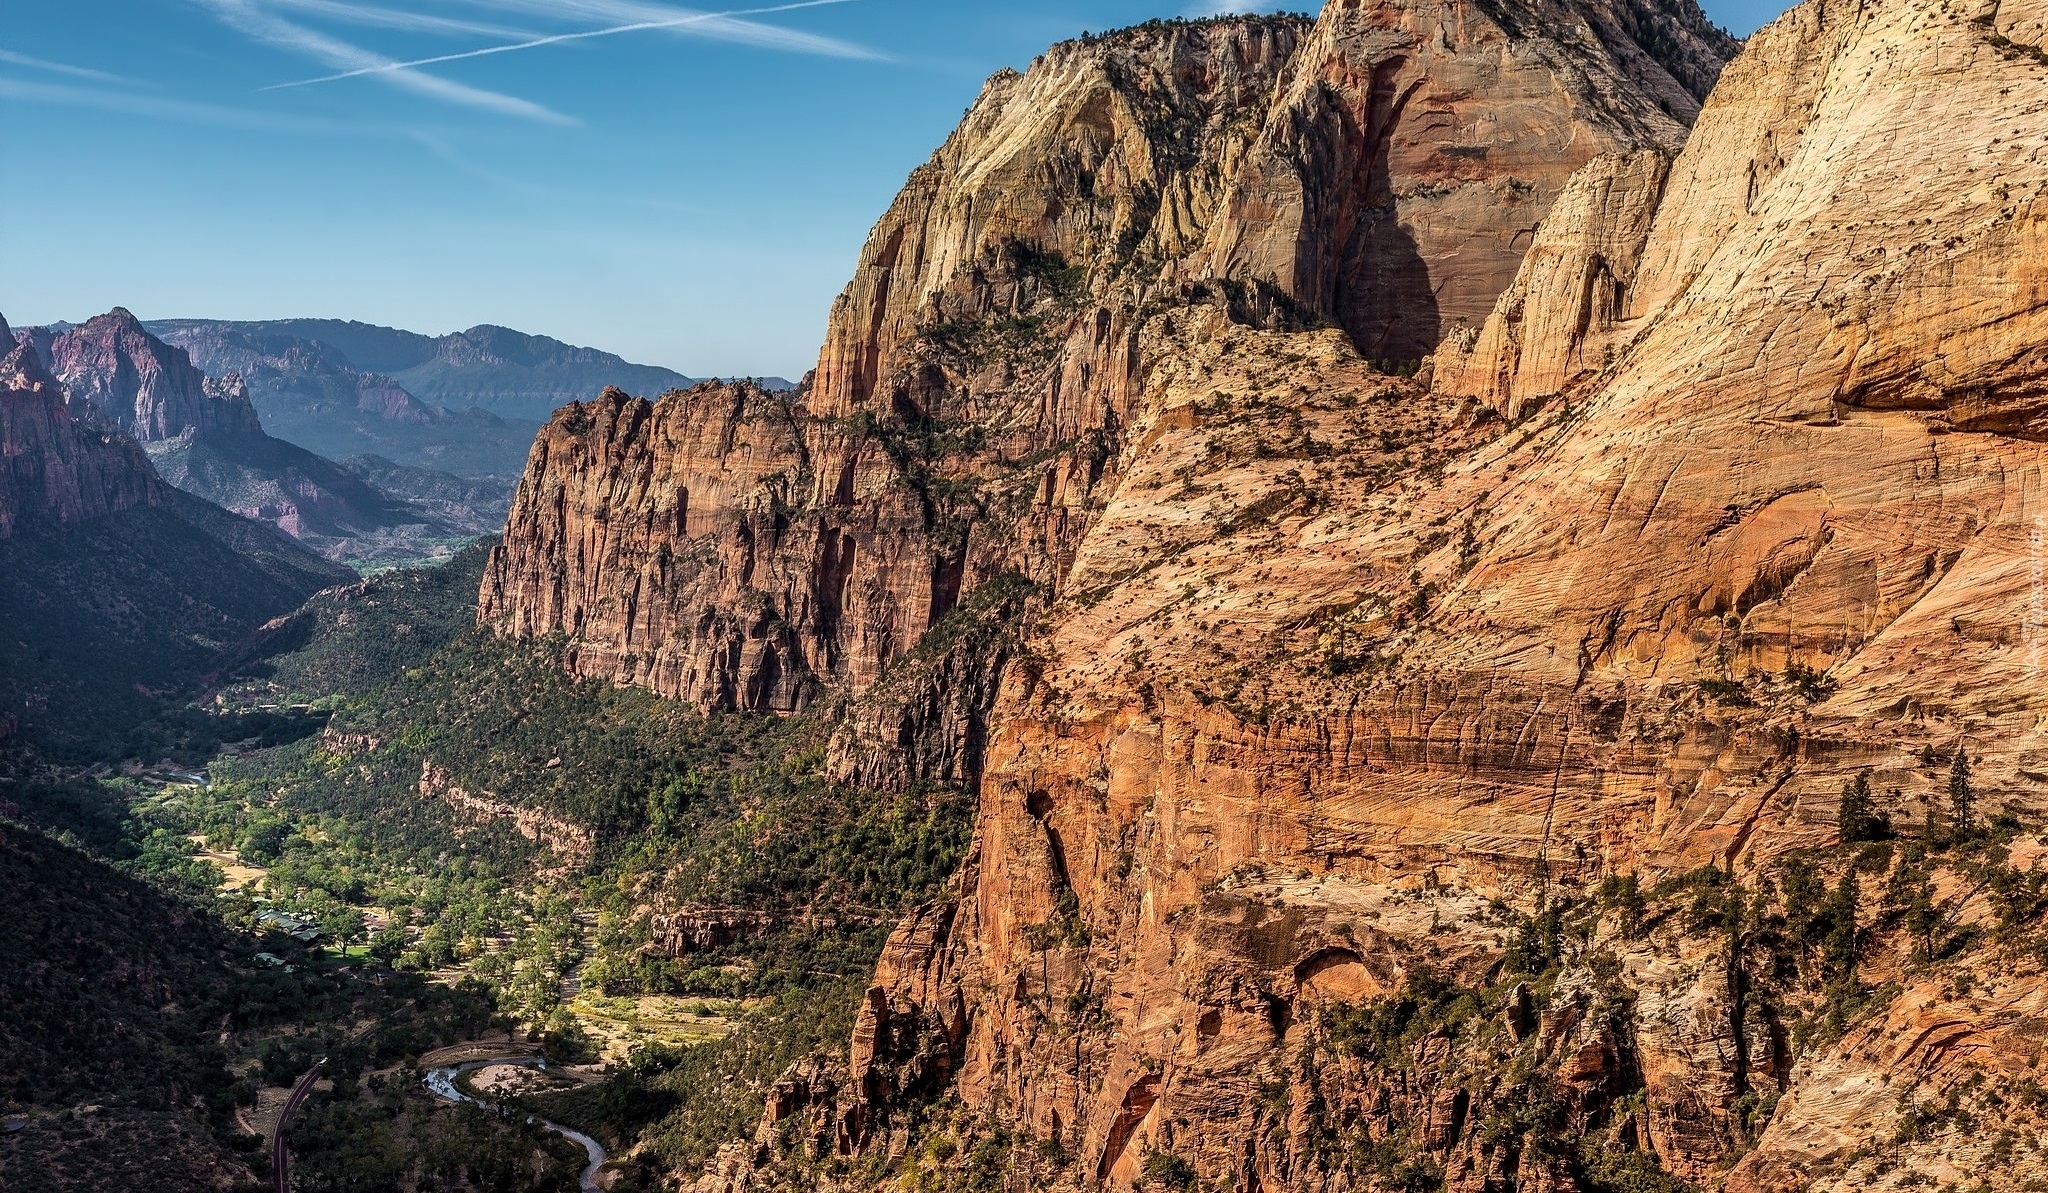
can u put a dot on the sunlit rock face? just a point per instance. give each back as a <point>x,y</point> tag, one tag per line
<point>1736,493</point>
<point>52,469</point>
<point>142,385</point>
<point>982,372</point>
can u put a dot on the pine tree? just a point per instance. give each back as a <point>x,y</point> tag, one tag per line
<point>1858,818</point>
<point>1841,942</point>
<point>1923,918</point>
<point>1960,797</point>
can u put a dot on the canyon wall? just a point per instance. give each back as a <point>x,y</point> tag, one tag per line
<point>1294,686</point>
<point>974,399</point>
<point>56,470</point>
<point>1413,149</point>
<point>140,384</point>
<point>1345,660</point>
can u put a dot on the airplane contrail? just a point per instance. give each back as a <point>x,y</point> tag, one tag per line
<point>693,19</point>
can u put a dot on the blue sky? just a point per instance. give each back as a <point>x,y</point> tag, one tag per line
<point>691,192</point>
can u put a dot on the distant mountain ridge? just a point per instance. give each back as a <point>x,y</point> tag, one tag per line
<point>203,435</point>
<point>112,583</point>
<point>315,394</point>
<point>509,373</point>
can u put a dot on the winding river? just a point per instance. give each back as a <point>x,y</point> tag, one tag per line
<point>442,1083</point>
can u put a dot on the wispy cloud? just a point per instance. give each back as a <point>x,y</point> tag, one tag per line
<point>154,107</point>
<point>721,26</point>
<point>60,68</point>
<point>686,21</point>
<point>255,22</point>
<point>374,17</point>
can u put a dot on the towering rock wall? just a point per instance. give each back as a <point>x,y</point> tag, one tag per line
<point>56,470</point>
<point>688,573</point>
<point>141,385</point>
<point>1565,314</point>
<point>1414,148</point>
<point>981,374</point>
<point>1341,663</point>
<point>966,404</point>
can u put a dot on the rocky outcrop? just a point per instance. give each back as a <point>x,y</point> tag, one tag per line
<point>1562,319</point>
<point>1414,147</point>
<point>974,399</point>
<point>571,845</point>
<point>688,930</point>
<point>57,471</point>
<point>660,537</point>
<point>145,387</point>
<point>1343,659</point>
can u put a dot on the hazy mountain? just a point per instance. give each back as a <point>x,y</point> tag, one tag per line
<point>315,394</point>
<point>496,369</point>
<point>114,585</point>
<point>204,436</point>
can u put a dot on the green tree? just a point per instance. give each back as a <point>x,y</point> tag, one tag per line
<point>1858,817</point>
<point>1961,797</point>
<point>1923,917</point>
<point>1840,948</point>
<point>388,944</point>
<point>345,924</point>
<point>1623,893</point>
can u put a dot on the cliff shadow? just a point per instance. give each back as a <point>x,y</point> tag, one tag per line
<point>1386,299</point>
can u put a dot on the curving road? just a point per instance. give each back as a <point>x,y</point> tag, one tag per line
<point>441,1083</point>
<point>280,1159</point>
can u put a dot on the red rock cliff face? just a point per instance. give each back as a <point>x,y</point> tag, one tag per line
<point>52,469</point>
<point>1343,660</point>
<point>145,387</point>
<point>1413,148</point>
<point>974,398</point>
<point>659,536</point>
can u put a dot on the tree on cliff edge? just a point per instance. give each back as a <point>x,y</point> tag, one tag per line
<point>1961,799</point>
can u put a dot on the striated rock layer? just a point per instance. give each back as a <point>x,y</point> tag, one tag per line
<point>55,470</point>
<point>1780,524</point>
<point>974,399</point>
<point>1333,688</point>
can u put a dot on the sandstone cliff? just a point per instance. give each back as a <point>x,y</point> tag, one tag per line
<point>204,437</point>
<point>973,401</point>
<point>1414,147</point>
<point>658,536</point>
<point>145,387</point>
<point>1357,691</point>
<point>57,471</point>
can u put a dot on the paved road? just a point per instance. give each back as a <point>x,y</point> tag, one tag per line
<point>441,1083</point>
<point>280,1159</point>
